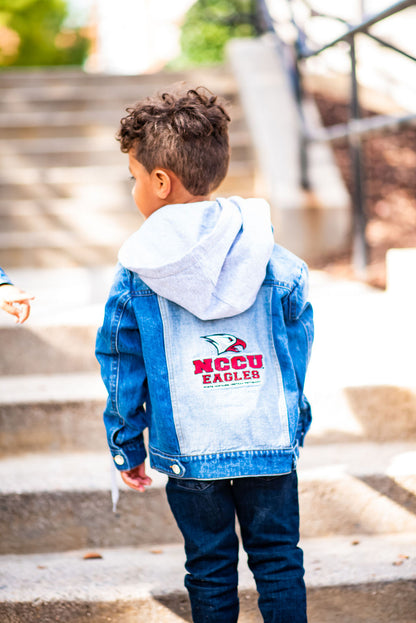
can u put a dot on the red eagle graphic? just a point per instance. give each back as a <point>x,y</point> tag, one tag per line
<point>224,342</point>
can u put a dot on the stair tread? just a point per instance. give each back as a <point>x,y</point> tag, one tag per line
<point>142,573</point>
<point>63,75</point>
<point>40,145</point>
<point>65,205</point>
<point>47,388</point>
<point>59,118</point>
<point>64,471</point>
<point>81,471</point>
<point>85,174</point>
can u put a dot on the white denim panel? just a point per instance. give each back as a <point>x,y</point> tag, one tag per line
<point>237,408</point>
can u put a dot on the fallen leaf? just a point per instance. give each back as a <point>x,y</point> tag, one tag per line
<point>355,542</point>
<point>404,556</point>
<point>92,556</point>
<point>156,551</point>
<point>397,563</point>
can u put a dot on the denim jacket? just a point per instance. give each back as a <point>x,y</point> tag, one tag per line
<point>221,397</point>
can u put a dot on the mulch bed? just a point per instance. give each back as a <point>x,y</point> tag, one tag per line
<point>390,187</point>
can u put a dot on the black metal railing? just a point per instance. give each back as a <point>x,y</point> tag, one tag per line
<point>356,127</point>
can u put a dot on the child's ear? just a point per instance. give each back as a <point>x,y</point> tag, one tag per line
<point>161,182</point>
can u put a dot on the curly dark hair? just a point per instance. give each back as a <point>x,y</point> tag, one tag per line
<point>185,132</point>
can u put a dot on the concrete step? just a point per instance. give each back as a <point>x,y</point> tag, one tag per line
<point>65,181</point>
<point>85,158</point>
<point>102,127</point>
<point>64,123</point>
<point>91,174</point>
<point>61,501</point>
<point>47,349</point>
<point>53,502</point>
<point>15,228</point>
<point>121,222</point>
<point>45,160</point>
<point>87,198</point>
<point>371,581</point>
<point>31,208</point>
<point>57,185</point>
<point>51,413</point>
<point>83,97</point>
<point>59,255</point>
<point>95,144</point>
<point>63,78</point>
<point>366,487</point>
<point>361,378</point>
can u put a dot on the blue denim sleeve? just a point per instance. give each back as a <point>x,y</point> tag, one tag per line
<point>3,277</point>
<point>300,332</point>
<point>119,352</point>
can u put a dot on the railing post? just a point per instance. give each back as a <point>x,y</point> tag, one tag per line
<point>298,90</point>
<point>303,141</point>
<point>359,242</point>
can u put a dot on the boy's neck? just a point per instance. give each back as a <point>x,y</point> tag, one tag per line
<point>188,199</point>
<point>180,198</point>
<point>179,194</point>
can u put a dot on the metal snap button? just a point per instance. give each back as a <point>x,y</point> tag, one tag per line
<point>176,469</point>
<point>119,459</point>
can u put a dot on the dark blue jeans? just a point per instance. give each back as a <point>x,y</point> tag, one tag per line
<point>268,513</point>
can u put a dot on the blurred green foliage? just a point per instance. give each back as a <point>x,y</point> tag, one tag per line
<point>207,27</point>
<point>32,33</point>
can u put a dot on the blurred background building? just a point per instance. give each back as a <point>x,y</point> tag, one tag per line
<point>132,36</point>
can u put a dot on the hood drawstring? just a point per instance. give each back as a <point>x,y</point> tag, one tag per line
<point>115,492</point>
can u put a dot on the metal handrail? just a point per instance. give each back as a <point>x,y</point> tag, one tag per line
<point>356,127</point>
<point>363,27</point>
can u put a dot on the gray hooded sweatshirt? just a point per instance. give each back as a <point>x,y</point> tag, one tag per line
<point>209,257</point>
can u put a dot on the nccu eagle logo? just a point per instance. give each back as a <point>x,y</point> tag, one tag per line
<point>224,342</point>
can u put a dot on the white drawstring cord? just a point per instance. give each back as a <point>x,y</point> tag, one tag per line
<point>115,493</point>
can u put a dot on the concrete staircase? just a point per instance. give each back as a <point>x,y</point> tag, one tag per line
<point>64,554</point>
<point>65,188</point>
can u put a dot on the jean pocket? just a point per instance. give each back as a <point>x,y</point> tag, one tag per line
<point>190,485</point>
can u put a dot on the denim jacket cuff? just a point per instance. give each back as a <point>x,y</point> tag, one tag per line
<point>128,457</point>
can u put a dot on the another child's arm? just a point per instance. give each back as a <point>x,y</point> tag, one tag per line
<point>13,300</point>
<point>119,352</point>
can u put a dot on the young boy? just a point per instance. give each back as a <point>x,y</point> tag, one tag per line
<point>206,339</point>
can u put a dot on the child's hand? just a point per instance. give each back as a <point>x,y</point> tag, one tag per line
<point>136,478</point>
<point>16,302</point>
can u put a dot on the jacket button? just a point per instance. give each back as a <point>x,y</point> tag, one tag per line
<point>176,469</point>
<point>119,459</point>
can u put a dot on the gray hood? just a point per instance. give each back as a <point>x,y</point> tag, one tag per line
<point>209,257</point>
